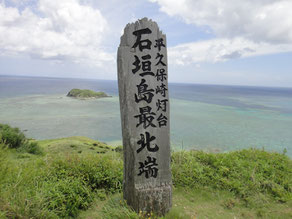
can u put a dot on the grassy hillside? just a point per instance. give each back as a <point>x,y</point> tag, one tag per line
<point>82,178</point>
<point>73,145</point>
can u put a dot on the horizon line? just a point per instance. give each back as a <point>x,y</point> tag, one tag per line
<point>186,83</point>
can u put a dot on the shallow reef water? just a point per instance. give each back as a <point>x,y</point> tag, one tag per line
<point>202,117</point>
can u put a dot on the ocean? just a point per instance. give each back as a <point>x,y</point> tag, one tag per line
<point>213,118</point>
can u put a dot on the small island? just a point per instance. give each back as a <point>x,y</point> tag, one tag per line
<point>85,94</point>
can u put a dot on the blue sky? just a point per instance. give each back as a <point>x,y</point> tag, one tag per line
<point>210,42</point>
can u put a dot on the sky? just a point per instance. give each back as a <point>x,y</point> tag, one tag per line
<point>229,42</point>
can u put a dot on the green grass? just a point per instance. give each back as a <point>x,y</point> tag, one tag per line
<point>214,203</point>
<point>56,185</point>
<point>192,203</point>
<point>245,173</point>
<point>78,177</point>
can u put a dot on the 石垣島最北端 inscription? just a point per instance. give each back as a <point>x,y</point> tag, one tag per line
<point>144,104</point>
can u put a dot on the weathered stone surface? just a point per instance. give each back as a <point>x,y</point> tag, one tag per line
<point>144,105</point>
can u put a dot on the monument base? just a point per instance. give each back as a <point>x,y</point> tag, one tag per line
<point>150,199</point>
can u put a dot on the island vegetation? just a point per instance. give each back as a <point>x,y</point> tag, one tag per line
<point>78,177</point>
<point>85,94</point>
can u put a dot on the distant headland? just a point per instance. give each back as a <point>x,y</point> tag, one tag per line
<point>85,94</point>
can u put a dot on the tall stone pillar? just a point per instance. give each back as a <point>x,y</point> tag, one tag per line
<point>144,105</point>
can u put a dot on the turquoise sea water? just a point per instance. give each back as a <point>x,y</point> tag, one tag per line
<point>207,117</point>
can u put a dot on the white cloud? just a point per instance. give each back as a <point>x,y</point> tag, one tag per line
<point>258,20</point>
<point>222,49</point>
<point>241,28</point>
<point>54,30</point>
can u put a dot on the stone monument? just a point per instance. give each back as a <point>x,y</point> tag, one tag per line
<point>144,105</point>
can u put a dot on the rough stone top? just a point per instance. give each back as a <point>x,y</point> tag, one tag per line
<point>127,39</point>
